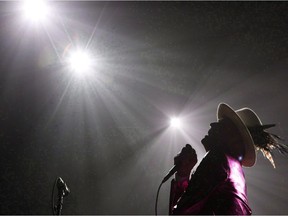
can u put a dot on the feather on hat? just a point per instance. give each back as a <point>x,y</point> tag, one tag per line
<point>253,133</point>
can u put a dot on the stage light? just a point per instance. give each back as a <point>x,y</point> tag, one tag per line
<point>36,10</point>
<point>175,122</point>
<point>80,62</point>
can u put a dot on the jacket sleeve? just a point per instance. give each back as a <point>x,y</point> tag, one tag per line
<point>211,172</point>
<point>177,189</point>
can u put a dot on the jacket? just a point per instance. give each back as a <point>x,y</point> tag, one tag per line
<point>216,187</point>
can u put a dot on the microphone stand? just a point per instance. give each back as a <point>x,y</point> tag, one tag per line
<point>59,207</point>
<point>63,191</point>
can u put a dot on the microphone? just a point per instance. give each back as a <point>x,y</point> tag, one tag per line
<point>170,173</point>
<point>185,151</point>
<point>62,186</point>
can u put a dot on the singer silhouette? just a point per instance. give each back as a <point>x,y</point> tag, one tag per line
<point>218,186</point>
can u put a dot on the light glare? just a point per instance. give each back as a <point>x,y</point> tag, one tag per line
<point>80,62</point>
<point>36,10</point>
<point>175,122</point>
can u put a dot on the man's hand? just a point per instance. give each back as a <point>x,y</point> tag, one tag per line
<point>185,161</point>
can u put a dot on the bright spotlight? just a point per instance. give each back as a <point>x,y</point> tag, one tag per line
<point>35,10</point>
<point>80,62</point>
<point>175,122</point>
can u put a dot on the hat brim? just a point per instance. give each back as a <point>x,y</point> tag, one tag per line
<point>225,111</point>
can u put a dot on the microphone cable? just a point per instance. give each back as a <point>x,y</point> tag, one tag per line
<point>157,195</point>
<point>52,200</point>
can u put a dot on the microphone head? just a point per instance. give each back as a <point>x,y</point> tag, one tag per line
<point>62,187</point>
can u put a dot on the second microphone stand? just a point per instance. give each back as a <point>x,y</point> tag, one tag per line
<point>63,191</point>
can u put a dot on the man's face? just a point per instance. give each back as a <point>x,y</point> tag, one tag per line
<point>226,135</point>
<point>213,136</point>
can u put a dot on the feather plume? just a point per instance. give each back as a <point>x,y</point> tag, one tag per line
<point>268,155</point>
<point>267,142</point>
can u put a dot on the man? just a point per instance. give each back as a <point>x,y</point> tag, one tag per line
<point>218,185</point>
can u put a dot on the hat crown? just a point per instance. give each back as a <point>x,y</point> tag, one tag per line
<point>249,117</point>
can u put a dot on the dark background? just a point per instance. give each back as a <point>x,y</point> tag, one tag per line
<point>108,136</point>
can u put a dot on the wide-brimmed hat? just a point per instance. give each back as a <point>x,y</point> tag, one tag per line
<point>253,133</point>
<point>243,119</point>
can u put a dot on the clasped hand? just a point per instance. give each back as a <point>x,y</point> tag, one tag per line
<point>185,161</point>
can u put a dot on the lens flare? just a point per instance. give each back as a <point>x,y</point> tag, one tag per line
<point>80,62</point>
<point>175,122</point>
<point>36,10</point>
